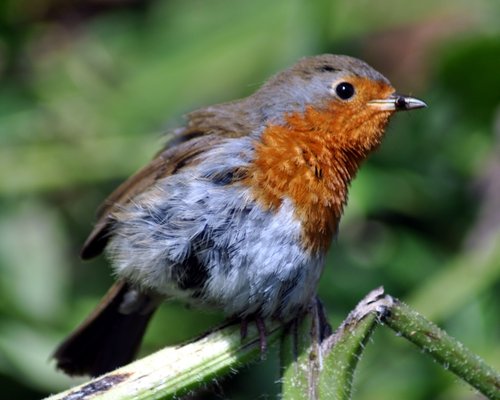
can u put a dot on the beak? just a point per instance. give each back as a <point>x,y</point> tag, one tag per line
<point>397,102</point>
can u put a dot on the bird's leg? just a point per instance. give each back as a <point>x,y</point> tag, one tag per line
<point>261,329</point>
<point>319,329</point>
<point>244,328</point>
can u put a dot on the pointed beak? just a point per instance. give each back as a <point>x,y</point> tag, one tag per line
<point>397,102</point>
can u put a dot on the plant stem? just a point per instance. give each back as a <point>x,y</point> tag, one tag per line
<point>316,365</point>
<point>447,351</point>
<point>300,354</point>
<point>174,371</point>
<point>342,350</point>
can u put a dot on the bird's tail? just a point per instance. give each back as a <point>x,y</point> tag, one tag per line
<point>110,337</point>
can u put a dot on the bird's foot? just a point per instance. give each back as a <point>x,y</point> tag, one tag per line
<point>261,329</point>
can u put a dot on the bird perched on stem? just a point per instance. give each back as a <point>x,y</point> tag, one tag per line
<point>238,211</point>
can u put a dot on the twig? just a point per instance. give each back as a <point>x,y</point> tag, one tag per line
<point>315,367</point>
<point>447,351</point>
<point>174,371</point>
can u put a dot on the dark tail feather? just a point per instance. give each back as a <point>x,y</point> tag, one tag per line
<point>108,338</point>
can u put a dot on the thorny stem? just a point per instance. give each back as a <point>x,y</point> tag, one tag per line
<point>315,367</point>
<point>447,351</point>
<point>300,354</point>
<point>342,350</point>
<point>174,371</point>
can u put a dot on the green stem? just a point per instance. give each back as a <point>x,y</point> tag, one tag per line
<point>341,362</point>
<point>316,367</point>
<point>175,371</point>
<point>447,351</point>
<point>342,350</point>
<point>300,354</point>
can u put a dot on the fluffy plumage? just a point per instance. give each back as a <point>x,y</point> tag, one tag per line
<point>237,212</point>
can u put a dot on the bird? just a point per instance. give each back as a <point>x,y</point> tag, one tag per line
<point>237,211</point>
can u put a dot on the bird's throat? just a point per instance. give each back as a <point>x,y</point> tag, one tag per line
<point>306,161</point>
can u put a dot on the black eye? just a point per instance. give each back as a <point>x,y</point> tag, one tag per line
<point>344,90</point>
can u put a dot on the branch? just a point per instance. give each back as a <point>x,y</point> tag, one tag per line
<point>175,371</point>
<point>319,365</point>
<point>315,363</point>
<point>447,351</point>
<point>342,350</point>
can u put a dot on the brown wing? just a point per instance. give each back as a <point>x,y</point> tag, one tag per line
<point>164,164</point>
<point>205,128</point>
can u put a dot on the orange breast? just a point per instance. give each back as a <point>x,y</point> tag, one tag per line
<point>311,159</point>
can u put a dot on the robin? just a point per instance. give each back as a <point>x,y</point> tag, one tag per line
<point>237,212</point>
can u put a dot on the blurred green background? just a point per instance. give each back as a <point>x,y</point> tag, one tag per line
<point>88,88</point>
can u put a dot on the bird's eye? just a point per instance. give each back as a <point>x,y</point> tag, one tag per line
<point>344,90</point>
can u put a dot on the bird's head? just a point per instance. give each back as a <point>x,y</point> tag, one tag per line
<point>342,96</point>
